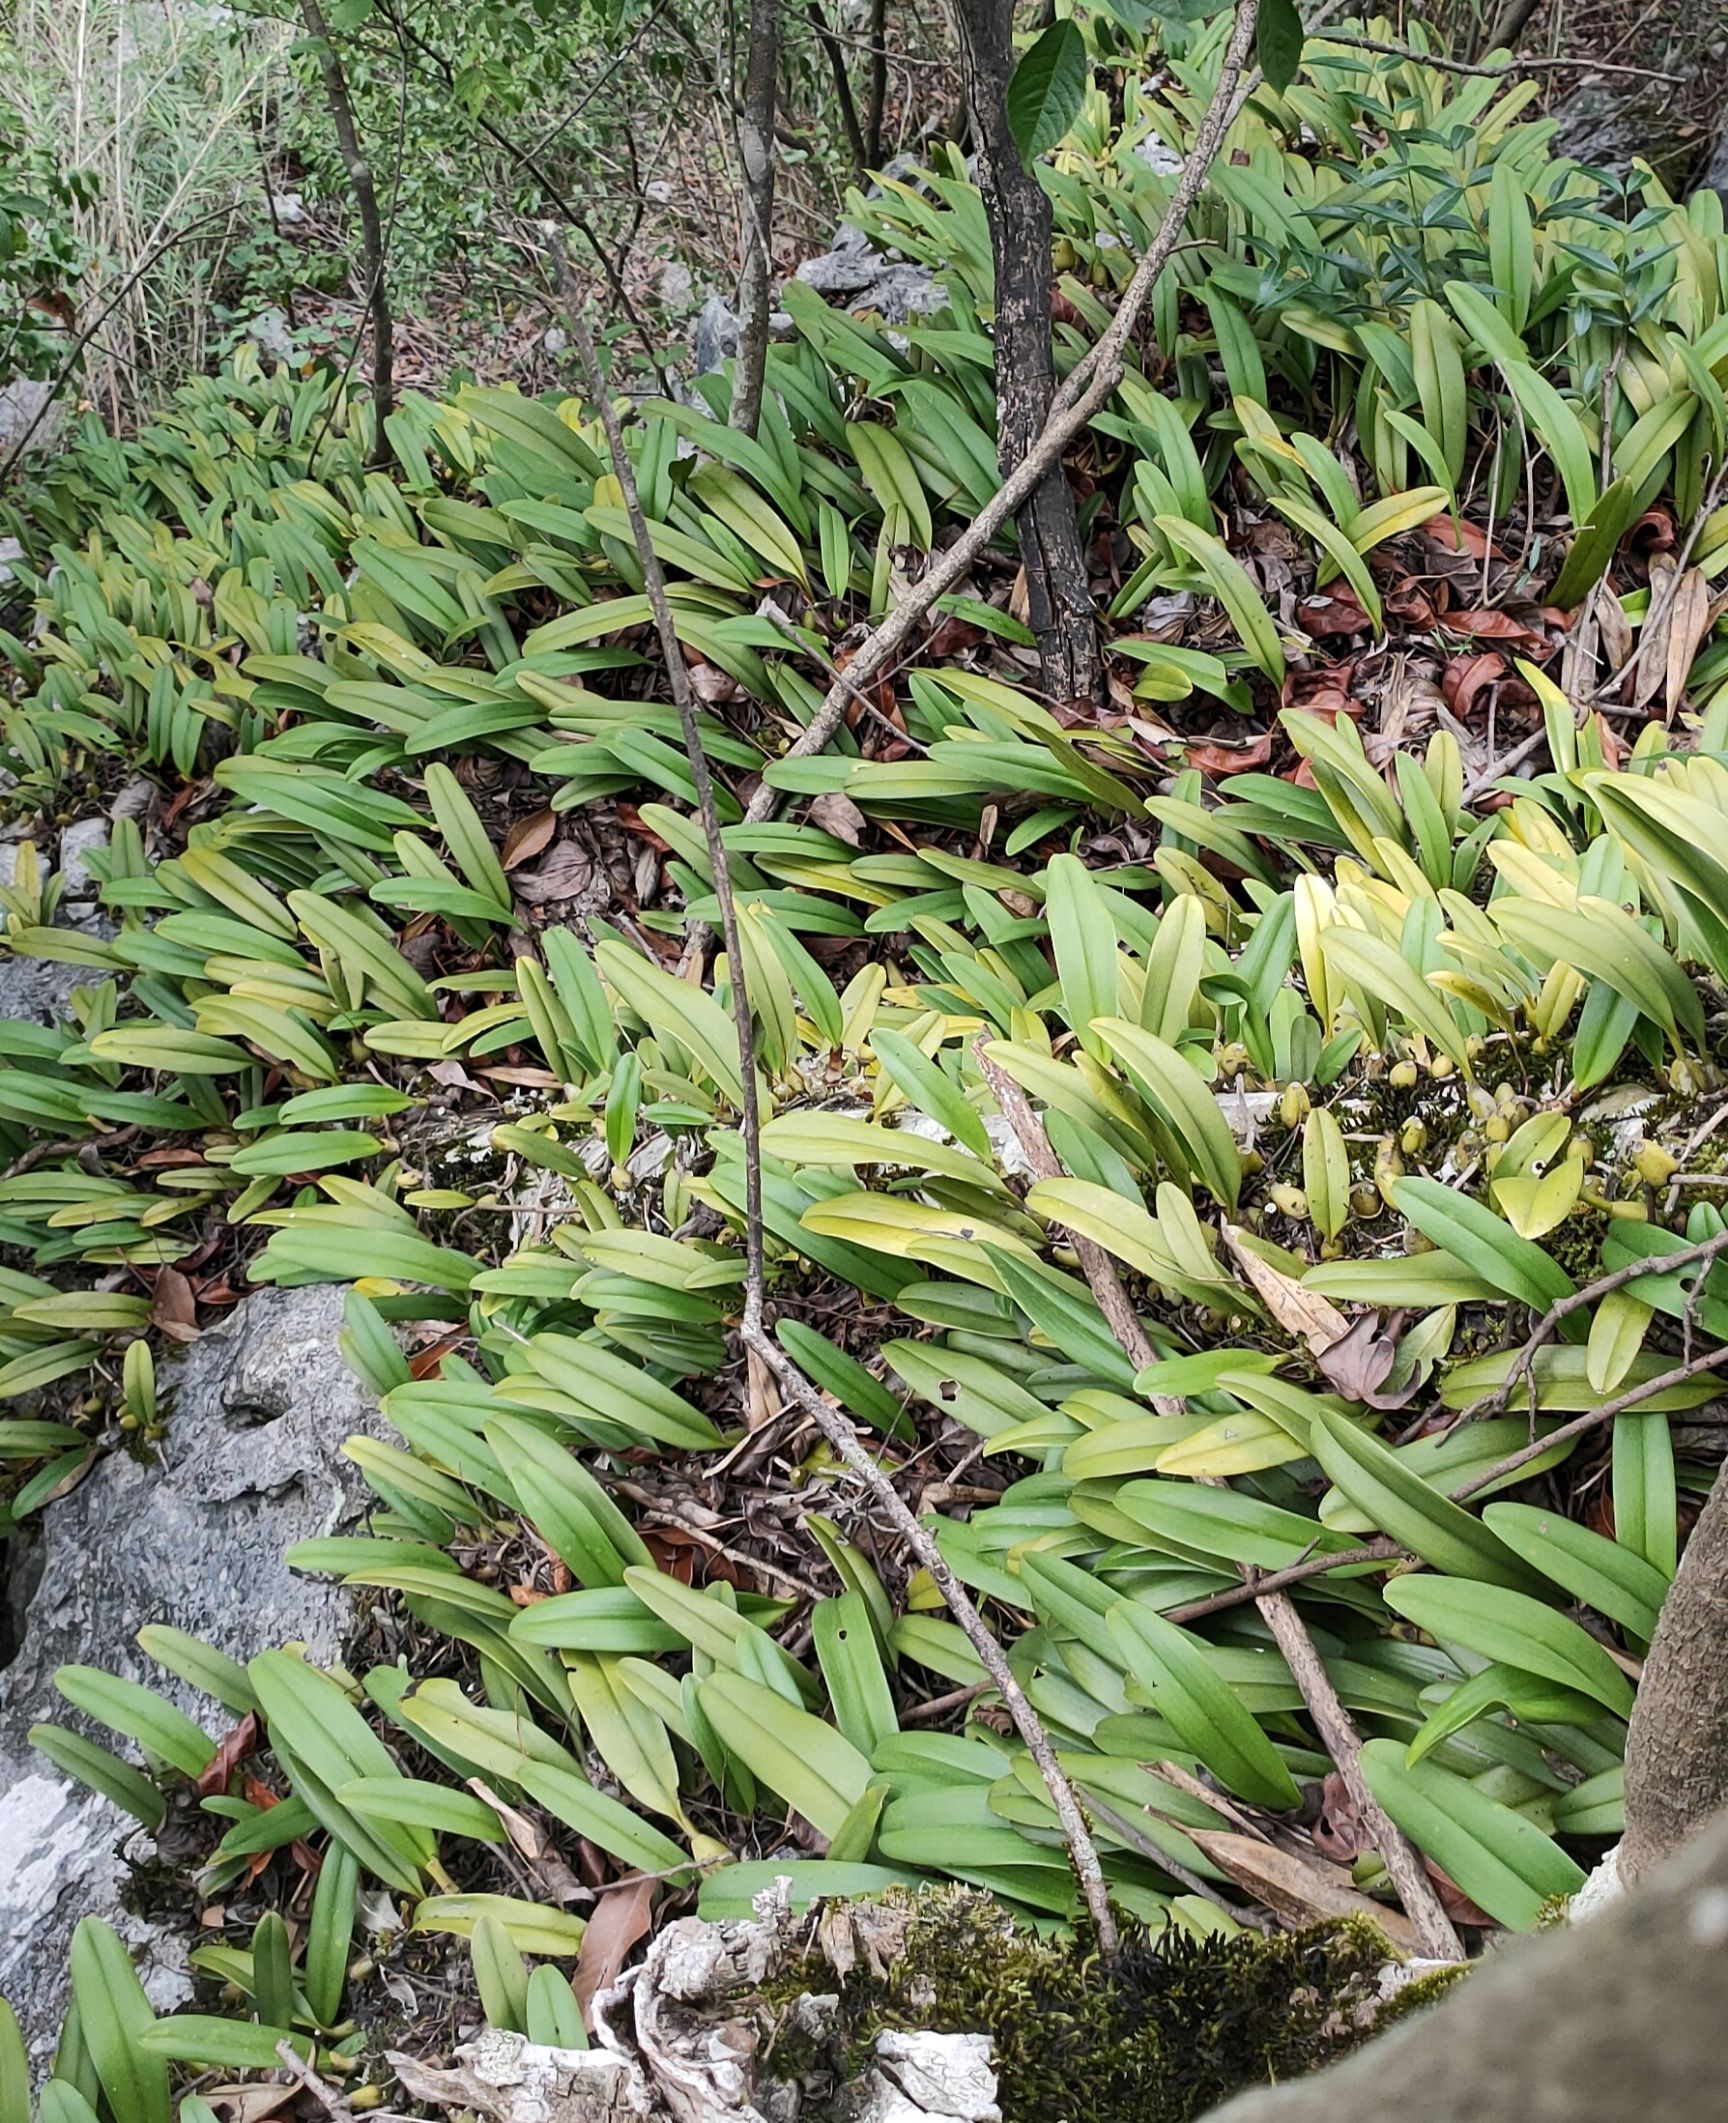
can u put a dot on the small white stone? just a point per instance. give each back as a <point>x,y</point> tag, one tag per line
<point>76,842</point>
<point>940,2075</point>
<point>1599,1892</point>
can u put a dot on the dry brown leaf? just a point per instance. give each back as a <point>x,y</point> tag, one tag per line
<point>763,1396</point>
<point>1688,623</point>
<point>453,1075</point>
<point>620,1918</point>
<point>1332,612</point>
<point>1457,537</point>
<point>1465,676</point>
<point>1360,1363</point>
<point>1485,622</point>
<point>231,1750</point>
<point>711,684</point>
<point>1231,759</point>
<point>566,873</point>
<point>1653,637</point>
<point>837,814</point>
<point>557,1882</point>
<point>1300,1890</point>
<point>1298,1311</point>
<point>1613,628</point>
<point>528,836</point>
<point>1340,1833</point>
<point>173,1308</point>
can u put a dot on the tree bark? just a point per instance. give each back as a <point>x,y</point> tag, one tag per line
<point>876,109</point>
<point>1058,596</point>
<point>756,153</point>
<point>1618,2018</point>
<point>1509,24</point>
<point>1677,1748</point>
<point>371,225</point>
<point>836,58</point>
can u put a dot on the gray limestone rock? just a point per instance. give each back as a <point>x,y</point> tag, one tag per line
<point>250,1463</point>
<point>271,334</point>
<point>77,841</point>
<point>855,275</point>
<point>717,329</point>
<point>25,409</point>
<point>39,991</point>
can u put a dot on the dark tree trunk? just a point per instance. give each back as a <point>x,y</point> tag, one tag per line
<point>836,58</point>
<point>1059,599</point>
<point>1677,1748</point>
<point>877,107</point>
<point>1509,23</point>
<point>756,153</point>
<point>371,225</point>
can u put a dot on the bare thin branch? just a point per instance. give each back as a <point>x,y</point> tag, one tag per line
<point>678,674</point>
<point>918,1538</point>
<point>1289,1631</point>
<point>833,1425</point>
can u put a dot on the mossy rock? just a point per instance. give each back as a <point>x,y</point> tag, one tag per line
<point>1173,2025</point>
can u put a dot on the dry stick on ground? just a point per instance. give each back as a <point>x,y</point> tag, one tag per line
<point>1136,1837</point>
<point>1289,1632</point>
<point>1380,1550</point>
<point>1095,1264</point>
<point>918,1538</point>
<point>371,224</point>
<point>1562,1309</point>
<point>1389,1551</point>
<point>830,1421</point>
<point>678,676</point>
<point>1592,1419</point>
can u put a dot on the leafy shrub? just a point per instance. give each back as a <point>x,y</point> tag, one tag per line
<point>42,260</point>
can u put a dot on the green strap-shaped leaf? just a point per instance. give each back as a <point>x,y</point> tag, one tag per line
<point>1175,1672</point>
<point>1083,937</point>
<point>1617,1581</point>
<point>139,1714</point>
<point>1186,1102</point>
<point>1515,1630</point>
<point>1487,1244</point>
<point>1530,1699</point>
<point>814,1768</point>
<point>114,2016</point>
<point>1410,1511</point>
<point>1504,1863</point>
